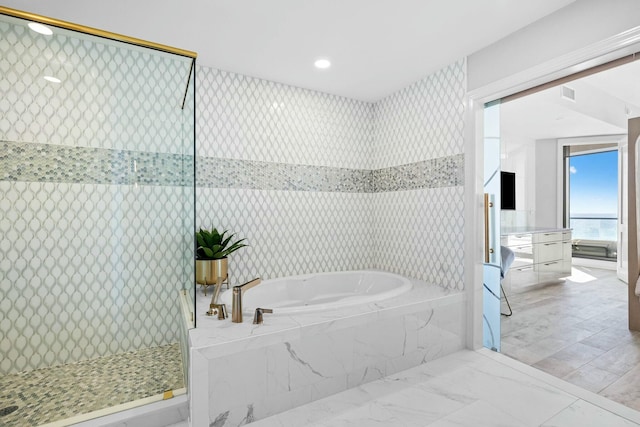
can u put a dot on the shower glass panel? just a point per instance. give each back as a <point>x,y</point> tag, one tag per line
<point>96,221</point>
<point>491,270</point>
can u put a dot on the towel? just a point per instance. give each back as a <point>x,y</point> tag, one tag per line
<point>507,256</point>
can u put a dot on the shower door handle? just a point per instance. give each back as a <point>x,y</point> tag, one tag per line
<point>487,249</point>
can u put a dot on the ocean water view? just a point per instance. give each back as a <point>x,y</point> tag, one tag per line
<point>594,226</point>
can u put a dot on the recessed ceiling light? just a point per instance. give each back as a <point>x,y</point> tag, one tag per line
<point>322,63</point>
<point>39,28</point>
<point>52,79</point>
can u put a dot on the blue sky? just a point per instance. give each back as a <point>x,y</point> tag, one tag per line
<point>594,183</point>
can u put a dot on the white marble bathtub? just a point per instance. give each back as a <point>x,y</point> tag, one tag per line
<point>321,291</point>
<point>242,372</point>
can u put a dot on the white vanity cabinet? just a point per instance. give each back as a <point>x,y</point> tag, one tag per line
<point>540,256</point>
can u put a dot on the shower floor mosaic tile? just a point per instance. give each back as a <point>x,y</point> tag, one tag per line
<point>52,394</point>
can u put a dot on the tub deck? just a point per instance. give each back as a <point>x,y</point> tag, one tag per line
<point>211,332</point>
<point>242,371</point>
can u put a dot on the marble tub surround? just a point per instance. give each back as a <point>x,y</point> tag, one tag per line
<point>464,389</point>
<point>243,372</point>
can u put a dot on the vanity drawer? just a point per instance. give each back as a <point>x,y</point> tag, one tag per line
<point>552,236</point>
<point>522,275</point>
<point>549,251</point>
<point>550,267</point>
<point>516,240</point>
<point>520,263</point>
<point>525,251</point>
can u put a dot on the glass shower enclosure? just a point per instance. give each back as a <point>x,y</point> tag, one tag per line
<point>97,183</point>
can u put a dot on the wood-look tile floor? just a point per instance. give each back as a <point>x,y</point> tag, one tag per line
<point>577,330</point>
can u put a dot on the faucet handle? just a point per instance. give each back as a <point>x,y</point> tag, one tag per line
<point>218,309</point>
<point>222,311</point>
<point>257,317</point>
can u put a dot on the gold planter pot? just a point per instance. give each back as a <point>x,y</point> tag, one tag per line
<point>211,271</point>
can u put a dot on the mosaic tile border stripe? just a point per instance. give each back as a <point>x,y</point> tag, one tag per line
<point>35,162</point>
<point>432,173</point>
<point>250,174</point>
<point>247,174</point>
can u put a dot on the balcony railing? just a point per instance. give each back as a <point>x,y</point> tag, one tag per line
<point>594,237</point>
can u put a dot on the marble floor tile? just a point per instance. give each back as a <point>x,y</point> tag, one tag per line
<point>478,414</point>
<point>464,389</point>
<point>370,414</point>
<point>416,406</point>
<point>524,397</point>
<point>584,414</point>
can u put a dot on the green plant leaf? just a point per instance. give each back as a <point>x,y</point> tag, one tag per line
<point>226,241</point>
<point>209,239</point>
<point>208,253</point>
<point>213,244</point>
<point>237,245</point>
<point>217,237</point>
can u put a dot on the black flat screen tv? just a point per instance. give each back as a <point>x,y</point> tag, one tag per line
<point>508,190</point>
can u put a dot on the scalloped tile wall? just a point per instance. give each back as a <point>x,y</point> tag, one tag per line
<point>95,228</point>
<point>318,182</point>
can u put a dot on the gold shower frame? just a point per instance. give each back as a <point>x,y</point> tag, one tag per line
<point>95,32</point>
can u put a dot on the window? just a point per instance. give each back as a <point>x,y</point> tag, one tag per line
<point>593,202</point>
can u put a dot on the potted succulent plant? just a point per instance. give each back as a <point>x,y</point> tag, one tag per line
<point>211,255</point>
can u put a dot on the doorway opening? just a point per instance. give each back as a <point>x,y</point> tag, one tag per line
<point>570,320</point>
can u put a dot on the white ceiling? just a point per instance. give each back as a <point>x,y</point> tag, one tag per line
<point>376,46</point>
<point>622,82</point>
<point>603,103</point>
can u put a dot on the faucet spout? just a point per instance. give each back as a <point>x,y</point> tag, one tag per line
<point>236,304</point>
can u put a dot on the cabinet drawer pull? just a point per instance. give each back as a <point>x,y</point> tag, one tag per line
<point>551,263</point>
<point>549,244</point>
<point>524,268</point>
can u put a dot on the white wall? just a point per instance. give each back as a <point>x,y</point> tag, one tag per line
<point>574,27</point>
<point>546,191</point>
<point>518,155</point>
<point>535,163</point>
